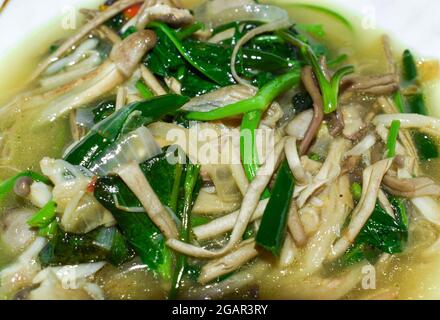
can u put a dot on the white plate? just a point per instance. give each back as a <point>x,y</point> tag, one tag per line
<point>413,22</point>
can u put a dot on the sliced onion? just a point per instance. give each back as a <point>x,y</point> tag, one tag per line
<point>138,146</point>
<point>85,118</point>
<point>60,171</point>
<point>219,98</point>
<point>219,12</point>
<point>275,17</point>
<point>77,71</point>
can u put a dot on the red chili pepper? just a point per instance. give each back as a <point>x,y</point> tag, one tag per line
<point>130,12</point>
<point>92,185</point>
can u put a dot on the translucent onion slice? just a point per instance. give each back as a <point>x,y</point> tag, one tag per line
<point>220,12</point>
<point>138,146</point>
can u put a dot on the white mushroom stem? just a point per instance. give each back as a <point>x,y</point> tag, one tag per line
<point>329,171</point>
<point>121,97</point>
<point>245,252</point>
<point>411,187</point>
<point>385,203</point>
<point>249,205</point>
<point>362,147</point>
<point>124,60</point>
<point>294,161</point>
<point>135,179</point>
<point>427,206</point>
<point>333,216</point>
<point>219,98</point>
<point>298,127</point>
<point>152,82</point>
<point>226,223</point>
<point>86,29</point>
<point>165,13</point>
<point>410,121</point>
<point>19,274</point>
<point>174,85</point>
<point>288,252</point>
<point>372,179</point>
<point>295,226</point>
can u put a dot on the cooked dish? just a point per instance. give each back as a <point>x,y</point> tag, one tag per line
<point>235,150</point>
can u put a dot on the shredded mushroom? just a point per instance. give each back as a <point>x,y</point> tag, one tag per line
<point>312,88</point>
<point>372,179</point>
<point>249,205</point>
<point>87,28</point>
<point>132,175</point>
<point>245,252</point>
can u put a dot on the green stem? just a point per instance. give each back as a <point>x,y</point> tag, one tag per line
<point>409,66</point>
<point>250,161</point>
<point>145,92</point>
<point>329,87</point>
<point>191,179</point>
<point>50,231</point>
<point>190,30</point>
<point>176,187</point>
<point>272,231</point>
<point>260,102</point>
<point>392,138</point>
<point>44,217</point>
<point>399,102</point>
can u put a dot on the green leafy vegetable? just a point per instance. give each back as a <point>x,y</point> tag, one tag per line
<point>105,244</point>
<point>399,101</point>
<point>329,87</point>
<point>272,231</point>
<point>145,238</point>
<point>426,146</point>
<point>416,104</point>
<point>385,233</point>
<point>202,67</point>
<point>381,234</point>
<point>109,130</point>
<point>104,109</point>
<point>117,22</point>
<point>128,32</point>
<point>168,182</point>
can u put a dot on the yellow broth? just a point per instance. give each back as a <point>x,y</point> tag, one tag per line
<point>414,276</point>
